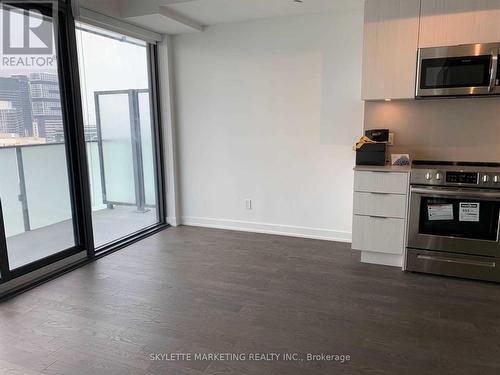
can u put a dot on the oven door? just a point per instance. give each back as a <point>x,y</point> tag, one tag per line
<point>455,220</point>
<point>457,70</point>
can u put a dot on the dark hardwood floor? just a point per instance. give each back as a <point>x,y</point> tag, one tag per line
<point>193,290</point>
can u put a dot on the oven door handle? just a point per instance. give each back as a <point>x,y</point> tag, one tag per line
<point>467,262</point>
<point>455,193</point>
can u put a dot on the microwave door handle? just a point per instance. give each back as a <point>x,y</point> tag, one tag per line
<point>493,71</point>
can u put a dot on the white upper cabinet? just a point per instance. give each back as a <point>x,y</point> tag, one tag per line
<point>390,49</point>
<point>451,22</point>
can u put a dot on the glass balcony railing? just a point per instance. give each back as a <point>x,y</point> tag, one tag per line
<point>36,206</point>
<point>27,192</point>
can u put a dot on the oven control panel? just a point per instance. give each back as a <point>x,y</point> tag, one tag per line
<point>440,177</point>
<point>462,177</point>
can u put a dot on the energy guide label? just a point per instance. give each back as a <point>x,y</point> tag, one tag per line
<point>469,211</point>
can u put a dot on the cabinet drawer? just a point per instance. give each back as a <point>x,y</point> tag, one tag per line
<point>378,234</point>
<point>380,204</point>
<point>381,182</point>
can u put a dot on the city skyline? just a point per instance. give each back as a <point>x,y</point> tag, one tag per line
<point>30,110</point>
<point>34,113</point>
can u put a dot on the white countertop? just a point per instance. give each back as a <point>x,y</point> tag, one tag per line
<point>383,168</point>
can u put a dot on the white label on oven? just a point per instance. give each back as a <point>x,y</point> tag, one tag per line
<point>469,211</point>
<point>440,211</point>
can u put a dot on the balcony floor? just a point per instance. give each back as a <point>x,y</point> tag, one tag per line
<point>108,225</point>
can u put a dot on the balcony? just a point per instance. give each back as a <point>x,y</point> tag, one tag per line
<point>37,209</point>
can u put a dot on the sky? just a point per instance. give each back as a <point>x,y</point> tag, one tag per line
<point>108,64</point>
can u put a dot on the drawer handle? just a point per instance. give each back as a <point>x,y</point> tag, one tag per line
<point>467,262</point>
<point>378,193</point>
<point>378,217</point>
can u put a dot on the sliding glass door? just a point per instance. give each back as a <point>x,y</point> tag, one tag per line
<point>37,200</point>
<point>117,103</point>
<point>80,149</point>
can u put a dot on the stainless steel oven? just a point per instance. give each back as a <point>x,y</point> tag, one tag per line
<point>469,69</point>
<point>459,220</point>
<point>454,220</point>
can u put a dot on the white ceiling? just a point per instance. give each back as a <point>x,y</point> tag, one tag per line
<point>180,16</point>
<point>214,12</point>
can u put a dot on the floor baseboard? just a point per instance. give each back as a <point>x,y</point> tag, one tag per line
<point>172,220</point>
<point>278,229</point>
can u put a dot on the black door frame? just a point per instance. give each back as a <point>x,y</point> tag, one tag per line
<point>76,164</point>
<point>78,173</point>
<point>157,135</point>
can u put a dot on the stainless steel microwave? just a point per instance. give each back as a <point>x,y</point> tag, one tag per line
<point>463,70</point>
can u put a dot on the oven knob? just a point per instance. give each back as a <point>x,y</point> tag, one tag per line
<point>486,179</point>
<point>428,176</point>
<point>496,179</point>
<point>438,176</point>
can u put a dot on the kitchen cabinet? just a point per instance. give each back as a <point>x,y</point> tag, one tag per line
<point>379,234</point>
<point>451,22</point>
<point>380,204</point>
<point>390,49</point>
<point>379,214</point>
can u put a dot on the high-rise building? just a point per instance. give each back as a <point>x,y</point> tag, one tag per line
<point>9,119</point>
<point>24,105</point>
<point>46,106</point>
<point>54,131</point>
<point>35,105</point>
<point>13,92</point>
<point>90,132</point>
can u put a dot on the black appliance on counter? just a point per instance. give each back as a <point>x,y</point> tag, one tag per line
<point>378,135</point>
<point>371,154</point>
<point>454,219</point>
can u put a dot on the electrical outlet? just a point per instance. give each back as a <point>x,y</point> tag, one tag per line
<point>248,204</point>
<point>390,142</point>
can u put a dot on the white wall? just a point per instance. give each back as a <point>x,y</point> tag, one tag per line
<point>268,110</point>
